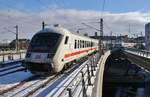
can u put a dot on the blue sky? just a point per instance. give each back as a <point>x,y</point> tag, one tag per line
<point>28,15</point>
<point>117,6</point>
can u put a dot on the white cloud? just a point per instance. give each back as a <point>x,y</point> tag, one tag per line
<point>30,23</point>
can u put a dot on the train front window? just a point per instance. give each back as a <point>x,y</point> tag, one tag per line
<point>45,42</point>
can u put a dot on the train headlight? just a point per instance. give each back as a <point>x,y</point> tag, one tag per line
<point>48,55</point>
<point>28,55</point>
<point>51,55</point>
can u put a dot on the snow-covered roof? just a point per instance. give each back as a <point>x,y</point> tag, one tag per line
<point>59,30</point>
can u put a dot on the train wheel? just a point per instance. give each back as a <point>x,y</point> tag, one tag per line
<point>65,66</point>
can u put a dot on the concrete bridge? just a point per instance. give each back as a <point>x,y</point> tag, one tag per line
<point>118,68</point>
<point>121,67</point>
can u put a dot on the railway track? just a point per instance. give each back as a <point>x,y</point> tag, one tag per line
<point>11,70</point>
<point>37,85</point>
<point>30,93</point>
<point>31,85</point>
<point>53,79</point>
<point>9,67</point>
<point>2,92</point>
<point>10,63</point>
<point>60,84</point>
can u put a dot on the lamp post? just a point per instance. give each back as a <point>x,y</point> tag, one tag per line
<point>101,37</point>
<point>17,40</point>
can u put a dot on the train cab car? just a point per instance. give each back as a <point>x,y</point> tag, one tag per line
<point>52,48</point>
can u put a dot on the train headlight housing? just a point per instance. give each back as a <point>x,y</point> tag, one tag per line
<point>28,55</point>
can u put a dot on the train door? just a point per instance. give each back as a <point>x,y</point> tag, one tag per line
<point>68,47</point>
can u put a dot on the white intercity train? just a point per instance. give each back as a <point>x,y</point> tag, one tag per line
<point>51,49</point>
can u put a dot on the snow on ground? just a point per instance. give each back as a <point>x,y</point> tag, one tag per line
<point>13,79</point>
<point>72,81</point>
<point>11,70</point>
<point>27,87</point>
<point>54,88</point>
<point>23,90</point>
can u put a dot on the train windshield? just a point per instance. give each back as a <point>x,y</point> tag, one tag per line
<point>45,42</point>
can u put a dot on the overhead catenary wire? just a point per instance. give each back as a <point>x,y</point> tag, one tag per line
<point>53,9</point>
<point>20,20</point>
<point>11,7</point>
<point>102,16</point>
<point>108,27</point>
<point>61,6</point>
<point>42,4</point>
<point>23,20</point>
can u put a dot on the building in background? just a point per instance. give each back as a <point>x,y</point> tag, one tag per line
<point>4,46</point>
<point>147,35</point>
<point>122,41</point>
<point>128,45</point>
<point>110,41</point>
<point>22,43</point>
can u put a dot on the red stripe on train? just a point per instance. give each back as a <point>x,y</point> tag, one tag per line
<point>78,52</point>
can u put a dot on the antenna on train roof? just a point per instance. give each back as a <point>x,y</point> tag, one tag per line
<point>43,25</point>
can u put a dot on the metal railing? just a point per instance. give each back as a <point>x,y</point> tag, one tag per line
<point>11,55</point>
<point>143,53</point>
<point>78,85</point>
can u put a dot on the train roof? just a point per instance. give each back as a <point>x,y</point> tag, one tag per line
<point>60,30</point>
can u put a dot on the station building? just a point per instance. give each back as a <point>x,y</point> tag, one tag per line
<point>147,35</point>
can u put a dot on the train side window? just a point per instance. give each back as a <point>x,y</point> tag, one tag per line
<point>78,43</point>
<point>75,45</point>
<point>82,44</point>
<point>66,39</point>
